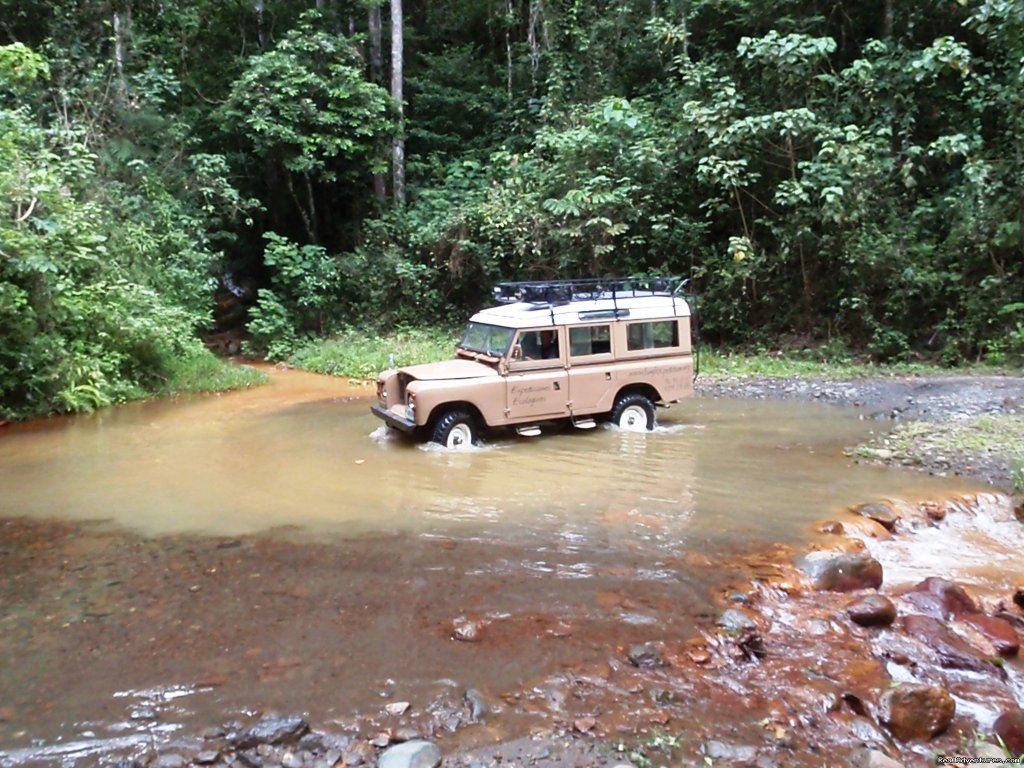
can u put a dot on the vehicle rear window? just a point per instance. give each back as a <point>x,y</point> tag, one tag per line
<point>590,340</point>
<point>653,335</point>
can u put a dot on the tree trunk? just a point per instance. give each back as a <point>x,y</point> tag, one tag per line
<point>261,30</point>
<point>888,20</point>
<point>508,46</point>
<point>122,18</point>
<point>377,78</point>
<point>536,9</point>
<point>398,145</point>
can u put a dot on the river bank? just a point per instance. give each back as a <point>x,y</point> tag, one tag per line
<point>971,425</point>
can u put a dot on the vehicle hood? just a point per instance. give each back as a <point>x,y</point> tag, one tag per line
<point>449,369</point>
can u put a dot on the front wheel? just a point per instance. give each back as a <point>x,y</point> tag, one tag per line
<point>634,413</point>
<point>455,430</point>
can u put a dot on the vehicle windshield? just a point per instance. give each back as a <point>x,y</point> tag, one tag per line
<point>486,339</point>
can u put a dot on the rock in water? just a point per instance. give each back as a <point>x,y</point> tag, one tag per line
<point>411,754</point>
<point>645,655</point>
<point>880,512</point>
<point>273,730</point>
<point>941,598</point>
<point>872,611</point>
<point>913,711</point>
<point>998,631</point>
<point>841,573</point>
<point>952,652</point>
<point>1010,728</point>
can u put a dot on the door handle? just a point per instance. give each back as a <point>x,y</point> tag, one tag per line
<point>557,386</point>
<point>607,375</point>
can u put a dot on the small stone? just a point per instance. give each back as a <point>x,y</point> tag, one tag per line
<point>467,631</point>
<point>719,750</point>
<point>879,511</point>
<point>207,757</point>
<point>736,620</point>
<point>411,754</point>
<point>645,655</point>
<point>872,611</point>
<point>699,656</point>
<point>1018,597</point>
<point>833,527</point>
<point>584,724</point>
<point>1009,727</point>
<point>381,740</point>
<point>397,708</point>
<point>912,711</point>
<point>478,708</point>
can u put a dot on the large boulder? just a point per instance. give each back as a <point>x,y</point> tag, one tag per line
<point>1000,633</point>
<point>941,599</point>
<point>951,650</point>
<point>833,572</point>
<point>916,712</point>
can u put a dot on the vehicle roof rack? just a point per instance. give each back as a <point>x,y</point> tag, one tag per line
<point>552,292</point>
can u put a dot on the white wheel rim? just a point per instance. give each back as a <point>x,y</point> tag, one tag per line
<point>634,419</point>
<point>461,436</point>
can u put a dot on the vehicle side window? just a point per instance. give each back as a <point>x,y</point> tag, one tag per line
<point>590,340</point>
<point>653,335</point>
<point>539,345</point>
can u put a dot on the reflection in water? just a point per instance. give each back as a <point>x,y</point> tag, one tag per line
<point>370,546</point>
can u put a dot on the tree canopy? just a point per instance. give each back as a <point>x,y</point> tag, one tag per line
<point>848,173</point>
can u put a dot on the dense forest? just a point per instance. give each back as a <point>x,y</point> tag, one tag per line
<point>845,172</point>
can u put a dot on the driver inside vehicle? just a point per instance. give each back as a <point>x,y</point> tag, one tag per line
<point>540,345</point>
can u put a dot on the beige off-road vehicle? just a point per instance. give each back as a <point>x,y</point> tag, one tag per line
<point>576,350</point>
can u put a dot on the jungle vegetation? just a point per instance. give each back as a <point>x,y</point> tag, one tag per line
<point>850,173</point>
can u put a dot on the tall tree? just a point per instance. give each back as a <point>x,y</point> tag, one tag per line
<point>398,144</point>
<point>377,78</point>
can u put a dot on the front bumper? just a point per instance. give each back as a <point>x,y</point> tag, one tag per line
<point>393,419</point>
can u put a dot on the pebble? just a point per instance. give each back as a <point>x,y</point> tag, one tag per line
<point>872,611</point>
<point>645,655</point>
<point>916,712</point>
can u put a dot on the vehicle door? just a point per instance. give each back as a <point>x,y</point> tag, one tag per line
<point>591,372</point>
<point>537,384</point>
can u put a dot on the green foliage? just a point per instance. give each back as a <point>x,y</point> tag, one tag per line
<point>362,353</point>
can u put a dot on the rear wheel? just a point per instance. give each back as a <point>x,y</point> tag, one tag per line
<point>634,413</point>
<point>455,430</point>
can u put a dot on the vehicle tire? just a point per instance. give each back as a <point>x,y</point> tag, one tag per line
<point>454,430</point>
<point>633,412</point>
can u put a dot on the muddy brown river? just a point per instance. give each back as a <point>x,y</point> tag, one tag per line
<point>173,564</point>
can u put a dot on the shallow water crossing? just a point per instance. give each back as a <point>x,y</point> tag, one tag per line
<point>178,563</point>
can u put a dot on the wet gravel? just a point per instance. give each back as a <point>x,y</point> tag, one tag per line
<point>892,400</point>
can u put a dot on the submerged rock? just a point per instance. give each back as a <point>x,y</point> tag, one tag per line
<point>1010,728</point>
<point>411,754</point>
<point>1018,597</point>
<point>841,573</point>
<point>872,611</point>
<point>913,711</point>
<point>880,512</point>
<point>872,758</point>
<point>941,598</point>
<point>951,651</point>
<point>1000,633</point>
<point>273,730</point>
<point>736,620</point>
<point>645,655</point>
